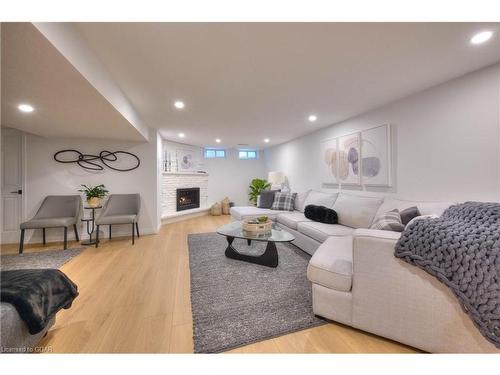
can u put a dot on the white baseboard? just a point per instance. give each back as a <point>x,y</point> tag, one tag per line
<point>173,219</point>
<point>34,236</point>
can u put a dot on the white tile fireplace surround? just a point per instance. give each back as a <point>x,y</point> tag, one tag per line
<point>171,181</point>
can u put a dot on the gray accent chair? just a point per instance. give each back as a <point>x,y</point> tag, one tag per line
<point>120,209</point>
<point>56,211</point>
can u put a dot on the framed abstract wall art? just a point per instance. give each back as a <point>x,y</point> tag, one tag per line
<point>362,158</point>
<point>349,163</point>
<point>376,163</point>
<point>329,153</point>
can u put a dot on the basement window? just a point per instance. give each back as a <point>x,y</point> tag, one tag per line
<point>211,153</point>
<point>247,154</point>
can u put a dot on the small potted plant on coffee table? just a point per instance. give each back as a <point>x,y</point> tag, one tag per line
<point>94,194</point>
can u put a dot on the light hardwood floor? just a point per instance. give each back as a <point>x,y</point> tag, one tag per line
<point>136,299</point>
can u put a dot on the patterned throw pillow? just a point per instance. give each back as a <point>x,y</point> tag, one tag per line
<point>283,201</point>
<point>389,221</point>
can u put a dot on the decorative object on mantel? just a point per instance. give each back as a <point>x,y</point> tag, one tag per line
<point>256,186</point>
<point>225,206</point>
<point>216,209</point>
<point>185,160</point>
<point>89,162</point>
<point>94,194</point>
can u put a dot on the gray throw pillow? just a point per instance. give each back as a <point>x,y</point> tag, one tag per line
<point>408,214</point>
<point>388,221</point>
<point>283,201</point>
<point>267,198</point>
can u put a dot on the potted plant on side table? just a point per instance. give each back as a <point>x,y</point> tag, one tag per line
<point>94,194</point>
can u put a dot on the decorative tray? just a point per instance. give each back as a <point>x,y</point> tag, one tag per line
<point>254,226</point>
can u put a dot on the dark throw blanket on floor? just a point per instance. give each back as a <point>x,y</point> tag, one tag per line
<point>462,249</point>
<point>37,295</point>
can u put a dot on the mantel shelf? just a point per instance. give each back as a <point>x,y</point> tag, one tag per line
<point>185,173</point>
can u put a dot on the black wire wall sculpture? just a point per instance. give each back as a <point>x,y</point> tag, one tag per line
<point>92,162</point>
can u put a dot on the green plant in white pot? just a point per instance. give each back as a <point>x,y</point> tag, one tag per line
<point>94,194</point>
<point>256,187</point>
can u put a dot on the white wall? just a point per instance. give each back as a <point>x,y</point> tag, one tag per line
<point>44,176</point>
<point>229,176</point>
<point>446,142</point>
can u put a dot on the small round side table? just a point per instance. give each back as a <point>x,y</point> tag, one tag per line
<point>90,225</point>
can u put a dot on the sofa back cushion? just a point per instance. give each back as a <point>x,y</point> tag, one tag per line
<point>300,199</point>
<point>356,211</point>
<point>425,208</point>
<point>318,198</point>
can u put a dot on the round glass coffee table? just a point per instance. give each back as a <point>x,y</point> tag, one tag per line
<point>270,256</point>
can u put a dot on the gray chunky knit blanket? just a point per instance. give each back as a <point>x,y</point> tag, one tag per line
<point>462,249</point>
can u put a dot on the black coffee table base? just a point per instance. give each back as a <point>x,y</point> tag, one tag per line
<point>269,258</point>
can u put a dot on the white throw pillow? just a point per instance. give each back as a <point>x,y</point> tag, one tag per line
<point>356,211</point>
<point>319,198</point>
<point>300,198</point>
<point>422,217</point>
<point>425,208</point>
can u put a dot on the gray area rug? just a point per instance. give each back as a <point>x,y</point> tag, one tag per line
<point>236,303</point>
<point>43,259</point>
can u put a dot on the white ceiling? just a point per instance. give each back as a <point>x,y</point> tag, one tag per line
<point>243,82</point>
<point>66,104</point>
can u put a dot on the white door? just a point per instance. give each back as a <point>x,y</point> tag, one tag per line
<point>12,184</point>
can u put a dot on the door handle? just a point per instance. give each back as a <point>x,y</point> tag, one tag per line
<point>17,192</point>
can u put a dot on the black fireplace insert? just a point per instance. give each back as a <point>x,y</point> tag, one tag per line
<point>188,198</point>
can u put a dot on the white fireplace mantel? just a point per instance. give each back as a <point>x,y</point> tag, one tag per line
<point>171,181</point>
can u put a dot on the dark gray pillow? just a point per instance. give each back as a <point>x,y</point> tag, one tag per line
<point>408,214</point>
<point>267,198</point>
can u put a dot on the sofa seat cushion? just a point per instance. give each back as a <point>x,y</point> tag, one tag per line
<point>116,219</point>
<point>331,264</point>
<point>248,212</point>
<point>48,223</point>
<point>320,231</point>
<point>292,219</point>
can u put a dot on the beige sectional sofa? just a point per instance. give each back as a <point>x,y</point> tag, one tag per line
<point>357,280</point>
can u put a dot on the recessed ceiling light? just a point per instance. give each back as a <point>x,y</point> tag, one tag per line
<point>312,118</point>
<point>266,140</point>
<point>481,37</point>
<point>25,108</point>
<point>182,135</point>
<point>217,140</point>
<point>178,104</point>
